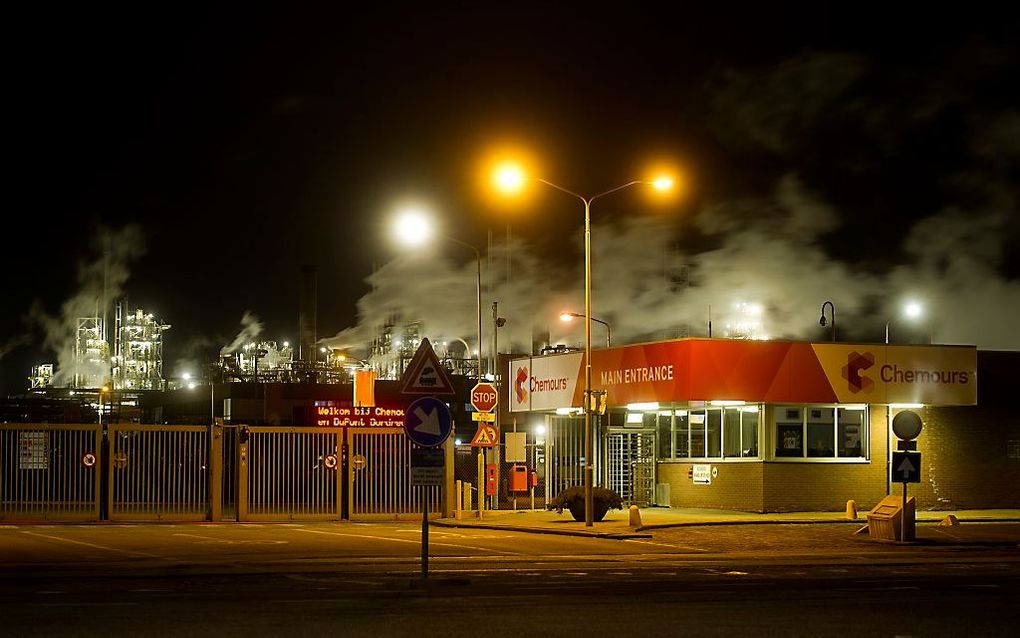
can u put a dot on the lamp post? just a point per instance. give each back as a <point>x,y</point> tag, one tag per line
<point>912,310</point>
<point>510,178</point>
<point>569,316</point>
<point>832,317</point>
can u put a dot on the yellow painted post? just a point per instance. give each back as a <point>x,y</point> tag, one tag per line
<point>216,473</point>
<point>242,479</point>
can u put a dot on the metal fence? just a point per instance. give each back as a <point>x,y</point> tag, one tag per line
<point>158,472</point>
<point>380,476</point>
<point>291,473</point>
<point>49,472</point>
<point>180,472</point>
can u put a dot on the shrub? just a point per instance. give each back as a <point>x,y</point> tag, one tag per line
<point>572,499</point>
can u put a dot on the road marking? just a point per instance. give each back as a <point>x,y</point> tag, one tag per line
<point>49,592</point>
<point>208,540</point>
<point>102,604</point>
<point>413,542</point>
<point>8,527</point>
<point>94,546</point>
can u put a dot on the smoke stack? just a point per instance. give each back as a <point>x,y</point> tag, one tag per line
<point>307,318</point>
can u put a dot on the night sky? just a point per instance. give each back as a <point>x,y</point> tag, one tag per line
<point>243,142</point>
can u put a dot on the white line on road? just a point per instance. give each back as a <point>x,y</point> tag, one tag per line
<point>94,546</point>
<point>413,542</point>
<point>208,540</point>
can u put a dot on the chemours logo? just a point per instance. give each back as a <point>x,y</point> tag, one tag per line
<point>519,390</point>
<point>855,364</point>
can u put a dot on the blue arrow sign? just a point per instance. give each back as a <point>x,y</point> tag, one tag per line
<point>427,422</point>
<point>906,467</point>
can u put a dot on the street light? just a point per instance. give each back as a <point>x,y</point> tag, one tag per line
<point>510,178</point>
<point>569,316</point>
<point>413,228</point>
<point>912,310</point>
<point>832,316</point>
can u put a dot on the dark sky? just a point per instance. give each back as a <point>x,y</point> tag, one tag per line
<point>246,141</point>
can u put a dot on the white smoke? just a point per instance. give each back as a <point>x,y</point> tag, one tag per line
<point>13,343</point>
<point>251,327</point>
<point>100,283</point>
<point>766,251</point>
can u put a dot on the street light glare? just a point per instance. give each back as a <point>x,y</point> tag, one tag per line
<point>566,316</point>
<point>663,183</point>
<point>412,227</point>
<point>913,310</point>
<point>509,178</point>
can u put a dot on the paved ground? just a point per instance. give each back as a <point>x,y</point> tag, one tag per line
<point>329,578</point>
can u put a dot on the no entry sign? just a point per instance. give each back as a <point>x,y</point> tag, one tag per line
<point>483,397</point>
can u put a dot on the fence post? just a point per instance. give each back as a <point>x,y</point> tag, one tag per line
<point>448,500</point>
<point>343,468</point>
<point>242,476</point>
<point>98,469</point>
<point>216,473</point>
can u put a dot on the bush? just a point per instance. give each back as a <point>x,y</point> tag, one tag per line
<point>572,499</point>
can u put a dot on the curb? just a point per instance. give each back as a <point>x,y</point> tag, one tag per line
<point>655,526</point>
<point>542,530</point>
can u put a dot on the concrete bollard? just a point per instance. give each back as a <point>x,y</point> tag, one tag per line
<point>851,510</point>
<point>949,521</point>
<point>635,516</point>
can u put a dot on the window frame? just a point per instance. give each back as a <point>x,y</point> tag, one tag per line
<point>700,431</point>
<point>780,416</point>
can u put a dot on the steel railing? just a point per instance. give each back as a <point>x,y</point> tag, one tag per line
<point>49,471</point>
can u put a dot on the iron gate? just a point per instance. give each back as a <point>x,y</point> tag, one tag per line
<point>631,465</point>
<point>49,472</point>
<point>158,472</point>
<point>289,473</point>
<point>379,469</point>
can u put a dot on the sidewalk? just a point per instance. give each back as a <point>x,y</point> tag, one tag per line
<point>617,523</point>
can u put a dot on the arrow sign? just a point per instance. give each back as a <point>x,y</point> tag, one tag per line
<point>427,422</point>
<point>906,467</point>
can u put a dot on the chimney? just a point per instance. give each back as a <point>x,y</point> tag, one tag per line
<point>307,350</point>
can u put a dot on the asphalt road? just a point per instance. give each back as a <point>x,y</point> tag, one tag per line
<point>328,578</point>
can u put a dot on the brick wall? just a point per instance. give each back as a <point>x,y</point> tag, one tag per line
<point>964,461</point>
<point>737,487</point>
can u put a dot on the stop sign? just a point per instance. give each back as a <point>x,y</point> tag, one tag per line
<point>483,397</point>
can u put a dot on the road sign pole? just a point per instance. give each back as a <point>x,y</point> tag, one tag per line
<point>903,518</point>
<point>424,533</point>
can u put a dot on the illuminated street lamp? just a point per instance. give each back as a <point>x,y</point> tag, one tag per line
<point>569,316</point>
<point>912,310</point>
<point>511,178</point>
<point>832,319</point>
<point>413,228</point>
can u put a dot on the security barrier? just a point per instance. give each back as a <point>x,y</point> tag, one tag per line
<point>380,476</point>
<point>56,472</point>
<point>289,473</point>
<point>158,472</point>
<point>49,472</point>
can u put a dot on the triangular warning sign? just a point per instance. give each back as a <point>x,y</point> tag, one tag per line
<point>486,436</point>
<point>425,375</point>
